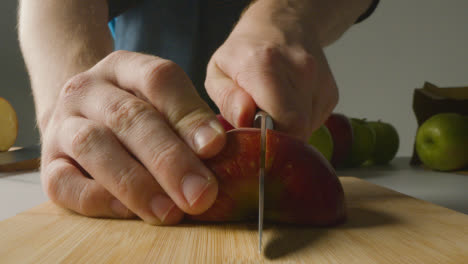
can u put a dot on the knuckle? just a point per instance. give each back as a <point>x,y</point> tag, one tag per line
<point>53,182</point>
<point>76,85</point>
<point>86,206</point>
<point>85,139</point>
<point>126,182</point>
<point>309,59</point>
<point>122,116</point>
<point>297,121</point>
<point>269,54</point>
<point>184,118</point>
<point>115,56</point>
<point>308,62</point>
<point>164,155</point>
<point>51,186</point>
<point>159,72</point>
<point>225,105</point>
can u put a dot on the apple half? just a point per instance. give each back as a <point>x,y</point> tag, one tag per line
<point>8,125</point>
<point>301,186</point>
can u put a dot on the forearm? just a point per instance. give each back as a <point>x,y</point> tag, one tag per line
<point>59,39</point>
<point>324,20</point>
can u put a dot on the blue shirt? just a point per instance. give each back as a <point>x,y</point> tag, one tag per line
<point>187,32</point>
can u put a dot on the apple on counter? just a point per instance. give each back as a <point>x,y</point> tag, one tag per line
<point>387,143</point>
<point>341,132</point>
<point>357,142</point>
<point>442,142</point>
<point>301,186</point>
<point>322,140</point>
<point>8,125</point>
<point>363,143</point>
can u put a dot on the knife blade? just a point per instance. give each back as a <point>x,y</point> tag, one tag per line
<point>263,121</point>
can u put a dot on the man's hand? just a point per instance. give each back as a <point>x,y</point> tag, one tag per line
<point>292,84</point>
<point>274,60</point>
<point>126,137</point>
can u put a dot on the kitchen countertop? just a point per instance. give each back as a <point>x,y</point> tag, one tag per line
<point>22,191</point>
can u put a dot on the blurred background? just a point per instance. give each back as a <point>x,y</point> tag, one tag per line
<point>377,63</point>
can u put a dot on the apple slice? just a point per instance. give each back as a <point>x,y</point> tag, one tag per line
<point>301,187</point>
<point>8,125</point>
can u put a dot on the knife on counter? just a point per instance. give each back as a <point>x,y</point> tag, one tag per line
<point>264,122</point>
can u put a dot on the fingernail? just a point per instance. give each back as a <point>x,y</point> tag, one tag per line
<point>118,208</point>
<point>161,205</point>
<point>193,187</point>
<point>206,134</point>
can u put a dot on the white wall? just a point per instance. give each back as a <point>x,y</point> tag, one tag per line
<point>14,83</point>
<point>377,64</point>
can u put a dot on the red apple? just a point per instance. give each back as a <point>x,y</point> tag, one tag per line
<point>227,126</point>
<point>300,185</point>
<point>342,133</point>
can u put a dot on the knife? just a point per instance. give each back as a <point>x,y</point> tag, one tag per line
<point>263,121</point>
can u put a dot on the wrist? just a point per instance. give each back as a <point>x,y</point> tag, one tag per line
<point>321,20</point>
<point>275,21</point>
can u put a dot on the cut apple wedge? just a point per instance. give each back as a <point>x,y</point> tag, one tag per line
<point>301,186</point>
<point>8,125</point>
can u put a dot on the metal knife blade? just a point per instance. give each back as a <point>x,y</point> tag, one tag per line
<point>264,122</point>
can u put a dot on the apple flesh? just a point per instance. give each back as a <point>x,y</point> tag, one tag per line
<point>8,125</point>
<point>342,134</point>
<point>301,187</point>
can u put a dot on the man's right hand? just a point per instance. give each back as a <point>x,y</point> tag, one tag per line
<point>126,137</point>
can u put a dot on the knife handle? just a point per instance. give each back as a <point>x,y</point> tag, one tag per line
<point>262,115</point>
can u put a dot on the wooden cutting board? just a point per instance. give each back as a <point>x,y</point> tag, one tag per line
<point>383,227</point>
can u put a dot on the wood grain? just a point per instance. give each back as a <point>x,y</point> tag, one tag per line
<point>383,227</point>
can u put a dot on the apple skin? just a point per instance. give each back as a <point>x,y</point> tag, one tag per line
<point>301,186</point>
<point>322,140</point>
<point>342,133</point>
<point>387,143</point>
<point>226,125</point>
<point>363,143</point>
<point>442,142</point>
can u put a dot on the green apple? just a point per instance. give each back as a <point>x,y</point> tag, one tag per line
<point>442,142</point>
<point>322,140</point>
<point>386,143</point>
<point>363,143</point>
